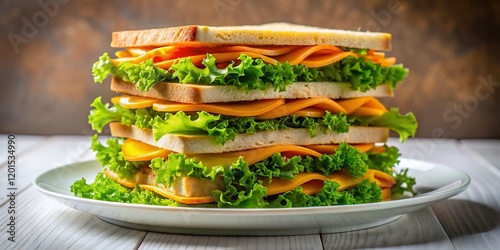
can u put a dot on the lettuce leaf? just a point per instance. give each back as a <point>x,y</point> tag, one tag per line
<point>246,75</point>
<point>345,157</point>
<point>404,183</point>
<point>251,73</point>
<point>104,188</point>
<point>329,195</point>
<point>384,161</point>
<point>180,123</point>
<point>405,125</point>
<point>144,75</point>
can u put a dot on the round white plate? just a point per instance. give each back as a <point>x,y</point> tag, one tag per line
<point>435,182</point>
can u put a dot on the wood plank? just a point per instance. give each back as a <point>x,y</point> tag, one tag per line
<point>485,151</point>
<point>23,142</point>
<point>43,223</point>
<point>417,230</point>
<point>50,153</point>
<point>175,241</point>
<point>472,218</point>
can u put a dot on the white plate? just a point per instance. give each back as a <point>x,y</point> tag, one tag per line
<point>435,182</point>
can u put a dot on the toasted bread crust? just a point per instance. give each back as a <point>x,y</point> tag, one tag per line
<point>196,93</point>
<point>199,144</point>
<point>266,34</point>
<point>154,37</point>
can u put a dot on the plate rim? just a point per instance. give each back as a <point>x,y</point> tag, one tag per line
<point>406,202</point>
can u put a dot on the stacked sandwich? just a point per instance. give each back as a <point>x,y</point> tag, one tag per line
<point>274,115</point>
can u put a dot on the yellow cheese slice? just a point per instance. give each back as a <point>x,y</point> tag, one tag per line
<point>278,186</point>
<point>264,109</point>
<point>311,56</point>
<point>298,104</point>
<point>351,105</point>
<point>250,108</point>
<point>135,102</point>
<point>330,148</point>
<point>252,156</point>
<point>297,56</point>
<point>133,150</point>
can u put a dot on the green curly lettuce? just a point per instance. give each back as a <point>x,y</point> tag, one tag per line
<point>365,192</point>
<point>385,160</point>
<point>345,157</point>
<point>405,125</point>
<point>144,75</point>
<point>404,183</point>
<point>107,189</point>
<point>251,73</point>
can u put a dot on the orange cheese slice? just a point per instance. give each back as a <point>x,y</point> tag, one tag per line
<point>297,56</point>
<point>317,61</point>
<point>311,56</point>
<point>134,150</point>
<point>264,109</point>
<point>252,156</point>
<point>330,148</point>
<point>312,182</point>
<point>250,108</point>
<point>219,58</point>
<point>296,105</point>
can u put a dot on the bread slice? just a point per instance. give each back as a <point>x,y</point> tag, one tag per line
<point>266,34</point>
<point>199,144</point>
<point>196,93</point>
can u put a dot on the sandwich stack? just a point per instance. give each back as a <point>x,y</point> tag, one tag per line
<point>265,116</point>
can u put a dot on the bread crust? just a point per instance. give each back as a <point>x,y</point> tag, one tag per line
<point>197,93</point>
<point>265,34</point>
<point>199,144</point>
<point>154,37</point>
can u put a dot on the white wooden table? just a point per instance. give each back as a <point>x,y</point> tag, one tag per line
<point>470,220</point>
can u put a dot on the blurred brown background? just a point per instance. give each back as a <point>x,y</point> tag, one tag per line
<point>452,48</point>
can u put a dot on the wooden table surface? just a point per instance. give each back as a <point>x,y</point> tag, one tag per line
<point>470,220</point>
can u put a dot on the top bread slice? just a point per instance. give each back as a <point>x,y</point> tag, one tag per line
<point>266,34</point>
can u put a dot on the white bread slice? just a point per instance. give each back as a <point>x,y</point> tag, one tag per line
<point>266,34</point>
<point>199,144</point>
<point>196,93</point>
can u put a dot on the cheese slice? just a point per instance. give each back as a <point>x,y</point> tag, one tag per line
<point>311,56</point>
<point>263,109</point>
<point>134,150</point>
<point>310,184</point>
<point>249,108</point>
